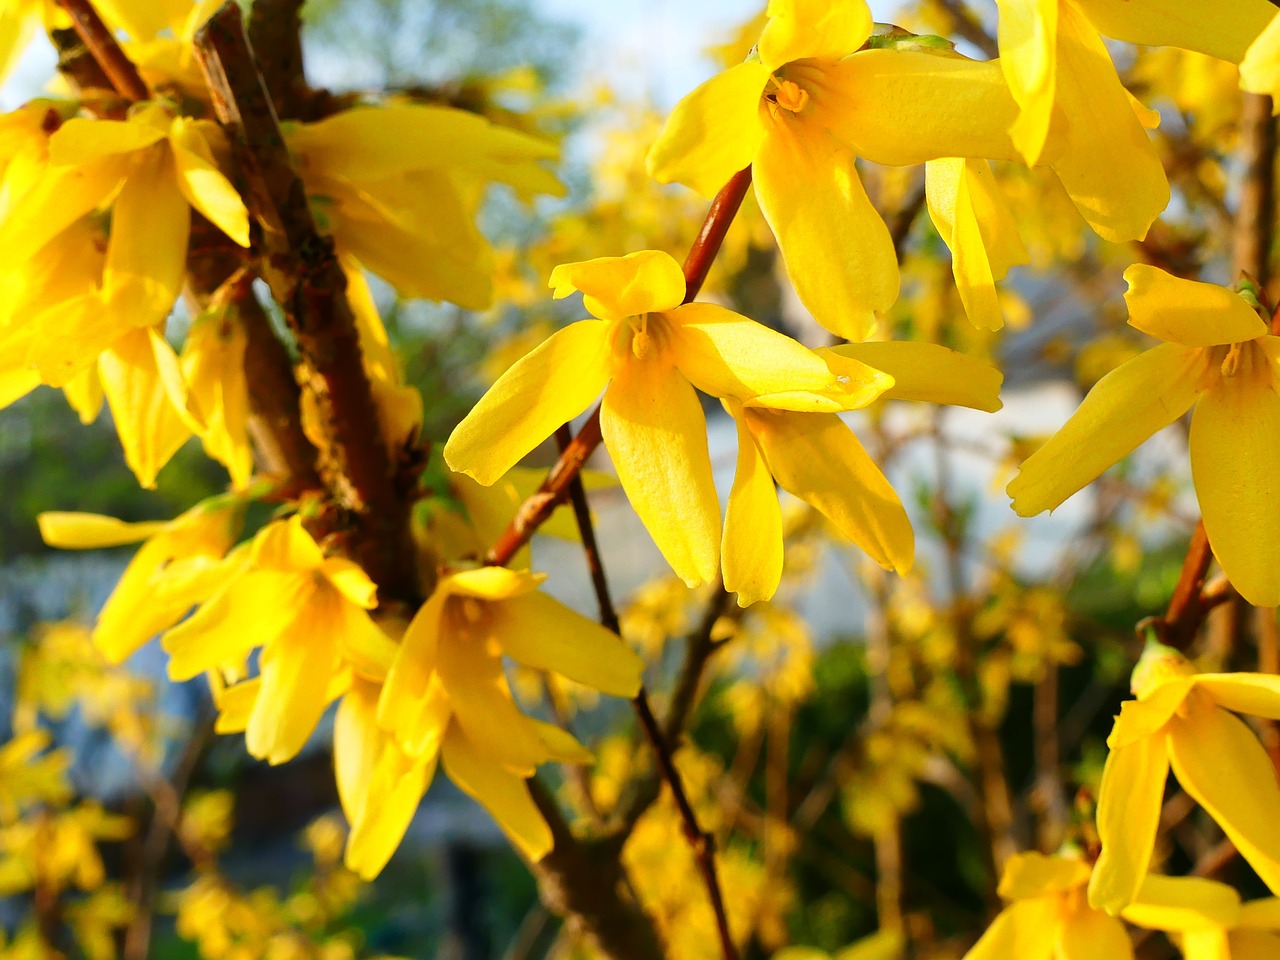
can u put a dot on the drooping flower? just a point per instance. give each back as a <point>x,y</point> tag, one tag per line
<point>1049,918</point>
<point>178,566</point>
<point>647,350</point>
<point>1053,57</point>
<point>310,615</point>
<point>444,699</point>
<point>801,113</point>
<point>1184,721</point>
<point>1219,358</point>
<point>816,457</point>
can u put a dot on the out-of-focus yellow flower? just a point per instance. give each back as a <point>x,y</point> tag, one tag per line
<point>445,699</point>
<point>649,350</point>
<point>801,112</point>
<point>1184,720</point>
<point>179,565</point>
<point>308,613</point>
<point>27,779</point>
<point>1217,356</point>
<point>399,187</point>
<point>1050,918</point>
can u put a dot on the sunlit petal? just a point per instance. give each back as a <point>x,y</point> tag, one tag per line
<point>92,531</point>
<point>925,371</point>
<point>837,250</point>
<point>1182,903</point>
<point>546,388</point>
<point>1028,37</point>
<point>1128,814</point>
<point>1090,935</point>
<point>1187,312</point>
<point>713,132</point>
<point>1188,24</point>
<point>821,29</point>
<point>617,287</point>
<point>1028,930</point>
<point>1128,405</point>
<point>751,548</point>
<point>656,434</point>
<point>1256,694</point>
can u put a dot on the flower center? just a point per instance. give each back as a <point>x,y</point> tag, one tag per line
<point>790,96</point>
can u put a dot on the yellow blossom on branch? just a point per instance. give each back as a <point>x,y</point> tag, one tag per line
<point>801,112</point>
<point>1184,721</point>
<point>648,351</point>
<point>1219,358</point>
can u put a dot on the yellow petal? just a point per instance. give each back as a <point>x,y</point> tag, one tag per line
<point>73,334</point>
<point>374,143</point>
<point>713,132</point>
<point>656,434</point>
<point>1033,874</point>
<point>412,669</point>
<point>1128,405</point>
<point>727,355</point>
<point>252,609</point>
<point>1260,68</point>
<point>60,197</point>
<point>1028,36</point>
<point>1234,464</point>
<point>1088,935</point>
<point>137,374</point>
<point>1182,903</point>
<point>1109,168</point>
<point>1128,814</point>
<point>1028,930</point>
<point>492,583</point>
<point>562,745</point>
<point>203,184</point>
<point>902,107</point>
<point>349,579</point>
<point>1222,766</point>
<point>16,382</point>
<point>925,371</point>
<point>1187,312</point>
<point>822,29</point>
<point>817,458</point>
<point>1257,694</point>
<point>1262,914</point>
<point>1146,718</point>
<point>147,252</point>
<point>235,705</point>
<point>500,792</point>
<point>751,548</point>
<point>213,366</point>
<point>1252,945</point>
<point>544,634</point>
<point>92,531</point>
<point>148,601</point>
<point>83,393</point>
<point>79,140</point>
<point>963,200</point>
<point>1205,943</point>
<point>1188,24</point>
<point>617,287</point>
<point>541,391</point>
<point>837,250</point>
<point>286,545</point>
<point>469,660</point>
<point>296,666</point>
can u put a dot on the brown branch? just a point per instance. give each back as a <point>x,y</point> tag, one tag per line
<point>555,488</point>
<point>302,270</point>
<point>118,68</point>
<point>701,842</point>
<point>276,26</point>
<point>1253,222</point>
<point>581,880</point>
<point>967,25</point>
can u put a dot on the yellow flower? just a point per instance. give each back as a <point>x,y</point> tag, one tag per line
<point>26,779</point>
<point>178,566</point>
<point>650,351</point>
<point>1050,918</point>
<point>399,186</point>
<point>1181,719</point>
<point>308,613</point>
<point>1218,357</point>
<point>1052,55</point>
<point>801,113</point>
<point>445,699</point>
<point>816,457</point>
<point>1260,68</point>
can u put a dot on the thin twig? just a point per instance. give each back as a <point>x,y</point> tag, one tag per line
<point>700,841</point>
<point>118,68</point>
<point>538,507</point>
<point>302,270</point>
